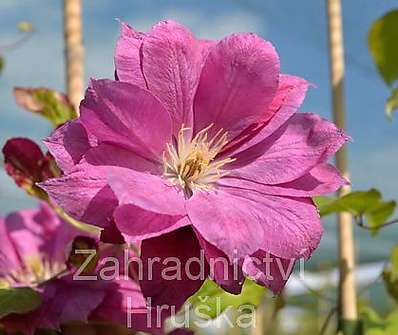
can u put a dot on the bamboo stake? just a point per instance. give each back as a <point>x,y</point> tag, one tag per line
<point>74,51</point>
<point>258,327</point>
<point>347,289</point>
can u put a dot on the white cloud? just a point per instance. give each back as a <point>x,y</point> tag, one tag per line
<point>204,25</point>
<point>229,23</point>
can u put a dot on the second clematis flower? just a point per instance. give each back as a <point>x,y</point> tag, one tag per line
<point>198,146</point>
<point>40,251</point>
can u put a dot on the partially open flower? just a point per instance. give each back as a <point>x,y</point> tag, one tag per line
<point>27,165</point>
<point>198,143</point>
<point>38,250</point>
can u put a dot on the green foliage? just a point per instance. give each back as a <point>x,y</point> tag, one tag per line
<point>2,63</point>
<point>382,39</point>
<point>392,103</point>
<point>352,327</point>
<point>368,204</point>
<point>390,275</point>
<point>18,300</point>
<point>48,103</point>
<point>25,26</point>
<point>376,325</point>
<point>211,300</point>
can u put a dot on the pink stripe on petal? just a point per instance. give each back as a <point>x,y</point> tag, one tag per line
<point>240,222</point>
<point>237,84</point>
<point>289,97</point>
<point>305,141</point>
<point>150,192</point>
<point>322,179</point>
<point>69,143</point>
<point>172,61</point>
<point>126,115</point>
<point>128,56</point>
<point>140,224</point>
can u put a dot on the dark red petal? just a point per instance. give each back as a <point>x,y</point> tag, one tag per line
<point>180,245</point>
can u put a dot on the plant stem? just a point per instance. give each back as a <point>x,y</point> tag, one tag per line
<point>347,290</point>
<point>74,51</point>
<point>359,221</point>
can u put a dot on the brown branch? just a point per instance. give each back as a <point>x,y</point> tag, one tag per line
<point>74,51</point>
<point>360,223</point>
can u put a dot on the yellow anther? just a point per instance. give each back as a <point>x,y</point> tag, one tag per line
<point>192,163</point>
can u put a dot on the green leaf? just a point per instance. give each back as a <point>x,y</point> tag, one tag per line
<point>392,323</point>
<point>379,213</point>
<point>323,203</point>
<point>391,284</point>
<point>382,40</point>
<point>352,327</point>
<point>371,318</point>
<point>394,262</point>
<point>362,203</point>
<point>25,26</point>
<point>354,202</point>
<point>211,300</point>
<point>376,325</point>
<point>51,104</point>
<point>373,323</point>
<point>18,300</point>
<point>390,275</point>
<point>2,63</point>
<point>392,103</point>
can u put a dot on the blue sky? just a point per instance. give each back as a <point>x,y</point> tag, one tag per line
<point>297,29</point>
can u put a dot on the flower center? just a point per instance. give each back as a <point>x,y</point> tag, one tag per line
<point>35,271</point>
<point>192,163</point>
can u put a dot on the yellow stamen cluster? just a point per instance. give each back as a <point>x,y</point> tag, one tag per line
<point>191,163</point>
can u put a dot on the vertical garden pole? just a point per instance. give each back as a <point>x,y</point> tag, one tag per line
<point>74,51</point>
<point>347,290</point>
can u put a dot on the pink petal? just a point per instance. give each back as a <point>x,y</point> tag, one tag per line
<point>25,232</point>
<point>93,203</point>
<point>140,224</point>
<point>111,234</point>
<point>305,141</point>
<point>268,270</point>
<point>175,285</point>
<point>237,85</point>
<point>9,257</point>
<point>149,192</point>
<point>108,154</point>
<point>74,301</point>
<point>69,143</point>
<point>126,115</point>
<point>172,61</point>
<point>124,301</point>
<point>322,179</point>
<point>40,232</point>
<point>225,273</point>
<point>63,301</point>
<point>127,56</point>
<point>289,97</point>
<point>240,222</point>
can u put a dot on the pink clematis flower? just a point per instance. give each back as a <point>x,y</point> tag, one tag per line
<point>35,251</point>
<point>198,146</point>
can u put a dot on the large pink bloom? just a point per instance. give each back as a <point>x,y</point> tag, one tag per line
<point>35,246</point>
<point>199,145</point>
